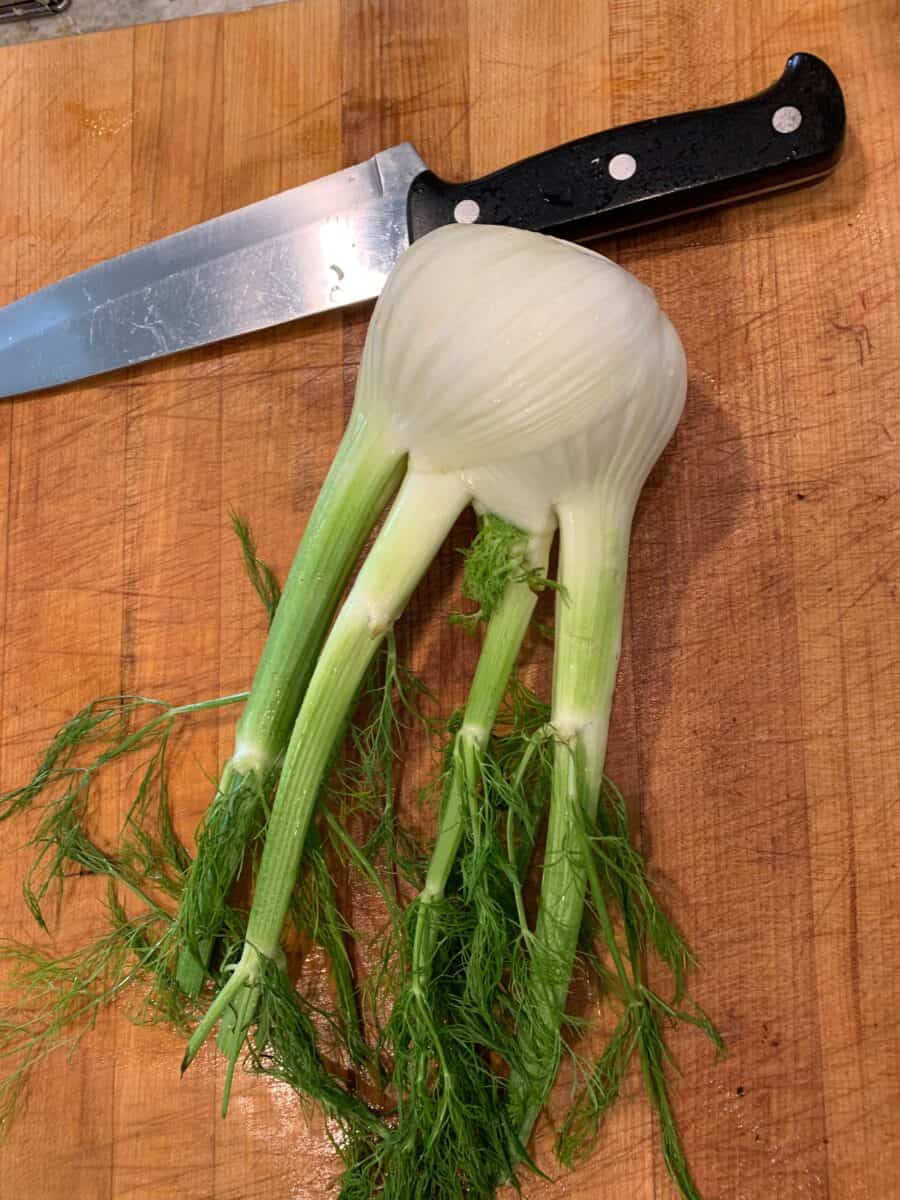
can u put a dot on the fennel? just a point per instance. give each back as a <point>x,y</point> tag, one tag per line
<point>506,397</point>
<point>546,414</point>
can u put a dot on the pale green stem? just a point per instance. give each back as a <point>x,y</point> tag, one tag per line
<point>364,474</point>
<point>419,521</point>
<point>503,640</point>
<point>594,539</point>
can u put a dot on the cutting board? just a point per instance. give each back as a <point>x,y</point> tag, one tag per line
<point>756,721</point>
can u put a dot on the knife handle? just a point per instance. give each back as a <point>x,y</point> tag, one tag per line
<point>792,133</point>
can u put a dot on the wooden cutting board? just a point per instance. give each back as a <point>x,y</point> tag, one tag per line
<point>756,722</point>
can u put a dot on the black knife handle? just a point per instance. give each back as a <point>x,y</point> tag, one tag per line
<point>791,133</point>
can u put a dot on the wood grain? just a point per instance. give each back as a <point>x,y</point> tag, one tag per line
<point>756,721</point>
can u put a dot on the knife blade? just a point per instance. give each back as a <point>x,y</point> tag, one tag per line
<point>332,242</point>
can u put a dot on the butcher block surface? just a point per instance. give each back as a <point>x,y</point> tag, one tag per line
<point>755,731</point>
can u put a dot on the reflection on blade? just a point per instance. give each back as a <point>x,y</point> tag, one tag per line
<point>323,245</point>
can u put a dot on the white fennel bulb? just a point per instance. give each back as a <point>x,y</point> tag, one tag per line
<point>489,343</point>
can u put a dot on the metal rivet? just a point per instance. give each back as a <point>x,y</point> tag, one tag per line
<point>623,166</point>
<point>466,212</point>
<point>786,119</point>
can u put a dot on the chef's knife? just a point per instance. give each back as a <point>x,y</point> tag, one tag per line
<point>333,242</point>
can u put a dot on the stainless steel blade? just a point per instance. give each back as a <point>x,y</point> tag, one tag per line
<point>323,245</point>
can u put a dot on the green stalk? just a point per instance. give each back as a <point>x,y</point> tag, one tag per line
<point>505,633</point>
<point>363,476</point>
<point>594,540</point>
<point>420,519</point>
<point>593,568</point>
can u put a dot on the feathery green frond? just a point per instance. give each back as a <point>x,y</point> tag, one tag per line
<point>496,557</point>
<point>262,577</point>
<point>63,785</point>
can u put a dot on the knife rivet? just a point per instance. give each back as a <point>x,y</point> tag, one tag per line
<point>622,166</point>
<point>466,212</point>
<point>786,119</point>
